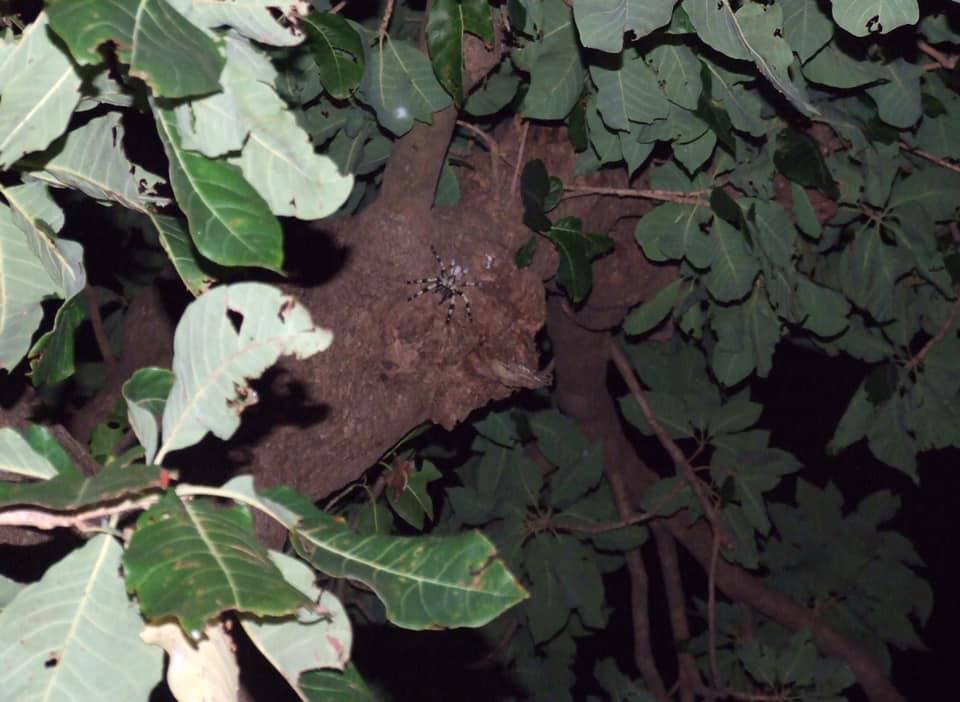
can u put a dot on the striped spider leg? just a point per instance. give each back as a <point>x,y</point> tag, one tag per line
<point>449,284</point>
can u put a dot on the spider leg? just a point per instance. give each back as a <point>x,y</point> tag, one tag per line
<point>453,303</point>
<point>466,306</point>
<point>443,270</point>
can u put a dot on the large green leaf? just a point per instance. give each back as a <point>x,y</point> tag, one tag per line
<point>629,93</point>
<point>39,88</point>
<point>734,266</point>
<point>92,160</point>
<point>25,284</point>
<point>805,27</point>
<point>424,582</point>
<point>577,249</point>
<point>400,85</point>
<point>678,71</point>
<point>602,23</point>
<point>70,491</point>
<point>278,158</point>
<point>863,17</point>
<point>77,622</point>
<point>173,56</point>
<point>176,242</point>
<point>672,231</point>
<point>192,560</point>
<point>40,218</point>
<point>898,100</point>
<point>213,359</point>
<point>554,64</point>
<point>447,22</point>
<point>337,50</point>
<point>229,222</point>
<point>52,356</point>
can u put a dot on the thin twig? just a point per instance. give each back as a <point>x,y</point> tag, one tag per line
<point>93,309</point>
<point>492,147</point>
<point>948,61</point>
<point>680,460</point>
<point>712,612</point>
<point>41,519</point>
<point>930,157</point>
<point>385,22</point>
<point>937,338</point>
<point>339,6</point>
<point>661,195</point>
<point>516,168</point>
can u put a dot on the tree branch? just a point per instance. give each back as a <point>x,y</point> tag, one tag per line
<point>679,459</point>
<point>690,198</point>
<point>930,157</point>
<point>41,519</point>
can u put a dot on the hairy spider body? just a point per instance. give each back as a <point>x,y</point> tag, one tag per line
<point>448,284</point>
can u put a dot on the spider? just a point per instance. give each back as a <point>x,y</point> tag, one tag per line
<point>449,285</point>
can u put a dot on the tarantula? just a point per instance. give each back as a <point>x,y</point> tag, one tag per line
<point>448,284</point>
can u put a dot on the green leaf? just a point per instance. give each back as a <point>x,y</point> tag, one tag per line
<point>798,157</point>
<point>807,220</point>
<point>335,686</point>
<point>52,356</point>
<point>555,66</point>
<point>572,481</point>
<point>424,582</point>
<point>39,217</point>
<point>9,589</point>
<point>213,359</point>
<point>318,637</point>
<point>400,85</point>
<point>734,267</point>
<point>447,22</point>
<point>899,102</point>
<point>873,268</point>
<point>35,74</point>
<point>602,23</point>
<point>229,222</point>
<point>834,67</point>
<point>146,395</point>
<point>263,21</point>
<point>414,502</point>
<point>193,560</point>
<point>826,310</point>
<point>805,27</point>
<point>17,456</point>
<point>76,620</point>
<point>629,93</point>
<point>26,284</point>
<point>744,107</point>
<point>495,93</point>
<point>672,231</point>
<point>576,249</point>
<point>182,252</point>
<point>651,312</point>
<point>70,491</point>
<point>736,414</point>
<point>863,17</point>
<point>678,71</point>
<point>498,427</point>
<point>175,58</point>
<point>337,50</point>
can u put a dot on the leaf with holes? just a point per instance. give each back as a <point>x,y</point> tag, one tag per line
<point>192,560</point>
<point>213,359</point>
